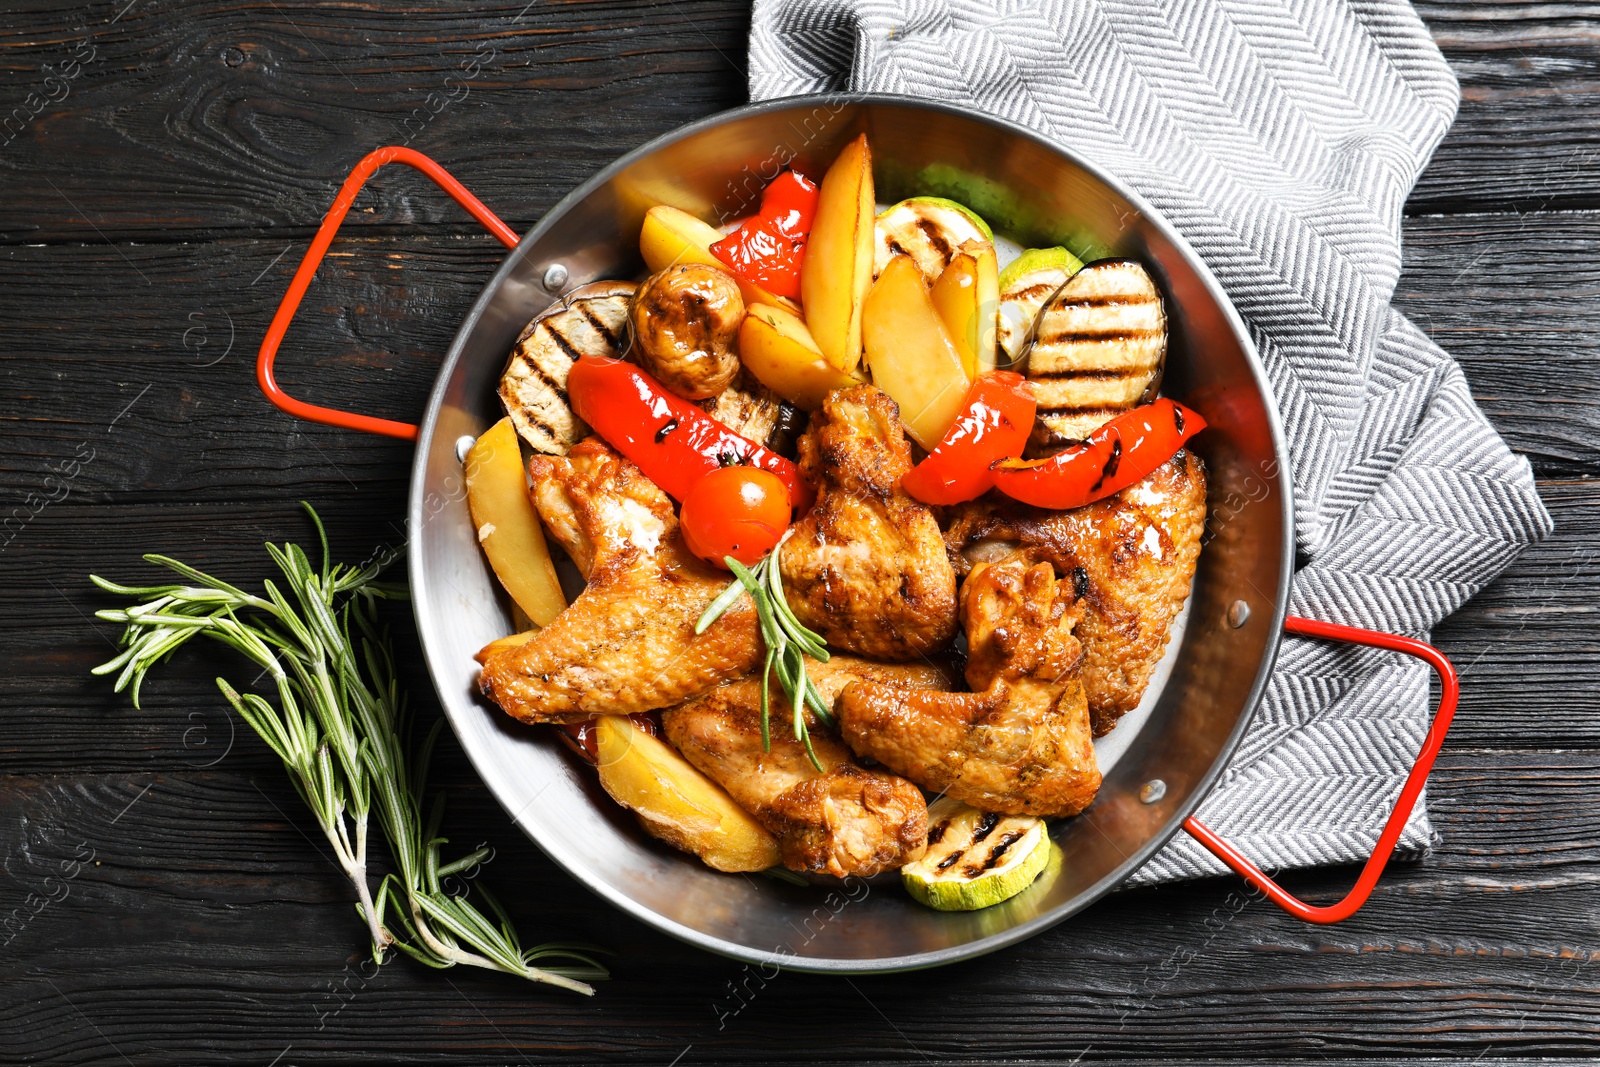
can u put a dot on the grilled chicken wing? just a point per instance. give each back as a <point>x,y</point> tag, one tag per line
<point>591,320</point>
<point>866,567</point>
<point>845,820</point>
<point>1019,743</point>
<point>627,643</point>
<point>1133,555</point>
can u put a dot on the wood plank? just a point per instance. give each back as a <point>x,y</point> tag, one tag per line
<point>1485,947</point>
<point>1512,298</point>
<point>1524,139</point>
<point>147,376</point>
<point>186,119</point>
<point>248,124</point>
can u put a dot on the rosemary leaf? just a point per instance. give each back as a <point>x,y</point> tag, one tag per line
<point>788,643</point>
<point>766,676</point>
<point>342,731</point>
<point>724,601</point>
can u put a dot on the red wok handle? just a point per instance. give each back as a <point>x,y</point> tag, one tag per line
<point>313,258</point>
<point>1450,691</point>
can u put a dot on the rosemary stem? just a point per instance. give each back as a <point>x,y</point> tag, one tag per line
<point>381,938</point>
<point>341,728</point>
<point>470,959</point>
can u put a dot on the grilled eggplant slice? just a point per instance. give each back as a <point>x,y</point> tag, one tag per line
<point>1099,347</point>
<point>592,320</point>
<point>1025,285</point>
<point>929,229</point>
<point>747,408</point>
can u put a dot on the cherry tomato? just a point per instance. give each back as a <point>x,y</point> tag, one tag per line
<point>735,511</point>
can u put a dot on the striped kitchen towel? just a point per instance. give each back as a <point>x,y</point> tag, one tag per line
<point>1282,138</point>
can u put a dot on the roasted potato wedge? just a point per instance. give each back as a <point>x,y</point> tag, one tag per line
<point>779,350</point>
<point>911,354</point>
<point>838,262</point>
<point>508,527</point>
<point>500,644</point>
<point>677,803</point>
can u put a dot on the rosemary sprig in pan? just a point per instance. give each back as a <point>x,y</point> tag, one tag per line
<point>343,731</point>
<point>787,639</point>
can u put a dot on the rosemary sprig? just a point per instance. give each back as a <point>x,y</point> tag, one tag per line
<point>788,643</point>
<point>343,731</point>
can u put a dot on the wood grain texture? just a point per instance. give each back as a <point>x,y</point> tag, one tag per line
<point>155,344</point>
<point>143,220</point>
<point>244,117</point>
<point>1481,946</point>
<point>1516,299</point>
<point>1525,138</point>
<point>248,116</point>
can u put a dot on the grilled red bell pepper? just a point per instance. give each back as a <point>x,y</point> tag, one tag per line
<point>671,440</point>
<point>768,248</point>
<point>993,425</point>
<point>1115,456</point>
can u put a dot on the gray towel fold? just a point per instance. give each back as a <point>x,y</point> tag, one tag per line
<point>1282,139</point>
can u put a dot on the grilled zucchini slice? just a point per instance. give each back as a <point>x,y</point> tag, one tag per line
<point>976,859</point>
<point>592,320</point>
<point>1099,347</point>
<point>1025,285</point>
<point>929,229</point>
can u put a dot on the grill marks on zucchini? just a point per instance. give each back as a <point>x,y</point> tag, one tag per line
<point>1100,344</point>
<point>996,853</point>
<point>929,229</point>
<point>1026,284</point>
<point>992,856</point>
<point>591,321</point>
<point>975,858</point>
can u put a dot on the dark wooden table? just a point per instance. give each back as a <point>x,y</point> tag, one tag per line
<point>152,213</point>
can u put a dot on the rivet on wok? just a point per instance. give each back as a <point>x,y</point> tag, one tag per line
<point>555,276</point>
<point>1238,614</point>
<point>464,445</point>
<point>1152,791</point>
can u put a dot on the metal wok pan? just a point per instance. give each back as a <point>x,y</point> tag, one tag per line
<point>1164,759</point>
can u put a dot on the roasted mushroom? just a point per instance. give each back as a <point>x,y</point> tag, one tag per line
<point>685,319</point>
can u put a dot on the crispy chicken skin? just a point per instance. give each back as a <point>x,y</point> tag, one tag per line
<point>847,820</point>
<point>1133,554</point>
<point>627,643</point>
<point>866,567</point>
<point>1019,743</point>
<point>1016,744</point>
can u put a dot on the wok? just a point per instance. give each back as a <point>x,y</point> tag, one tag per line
<point>1158,765</point>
